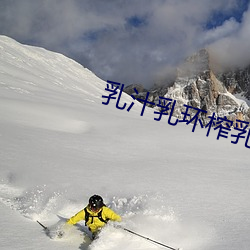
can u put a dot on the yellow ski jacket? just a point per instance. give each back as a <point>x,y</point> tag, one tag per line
<point>94,223</point>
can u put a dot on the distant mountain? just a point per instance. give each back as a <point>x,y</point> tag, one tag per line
<point>237,81</point>
<point>198,85</point>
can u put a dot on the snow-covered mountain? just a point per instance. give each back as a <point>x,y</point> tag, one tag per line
<point>60,144</point>
<point>237,81</point>
<point>200,85</point>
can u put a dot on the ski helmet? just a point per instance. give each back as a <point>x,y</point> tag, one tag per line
<point>95,202</point>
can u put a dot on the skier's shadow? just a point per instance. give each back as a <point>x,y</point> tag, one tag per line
<point>85,245</point>
<point>87,237</point>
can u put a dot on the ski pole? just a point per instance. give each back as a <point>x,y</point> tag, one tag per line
<point>45,228</point>
<point>146,238</point>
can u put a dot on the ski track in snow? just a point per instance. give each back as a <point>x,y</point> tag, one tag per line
<point>145,214</point>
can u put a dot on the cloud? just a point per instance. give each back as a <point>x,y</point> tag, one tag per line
<point>128,41</point>
<point>233,49</point>
<point>228,28</point>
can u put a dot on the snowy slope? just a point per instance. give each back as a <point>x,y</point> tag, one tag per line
<point>60,144</point>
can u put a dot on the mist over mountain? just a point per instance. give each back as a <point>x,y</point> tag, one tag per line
<point>131,41</point>
<point>203,83</point>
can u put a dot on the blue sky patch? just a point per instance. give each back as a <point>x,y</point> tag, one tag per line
<point>219,17</point>
<point>136,21</point>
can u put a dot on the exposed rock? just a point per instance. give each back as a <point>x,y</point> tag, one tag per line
<point>130,89</point>
<point>198,86</point>
<point>237,81</point>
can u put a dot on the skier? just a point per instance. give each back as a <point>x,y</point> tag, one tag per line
<point>95,214</point>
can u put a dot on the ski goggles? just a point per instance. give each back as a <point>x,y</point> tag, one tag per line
<point>94,208</point>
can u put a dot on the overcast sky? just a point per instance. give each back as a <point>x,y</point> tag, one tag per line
<point>131,41</point>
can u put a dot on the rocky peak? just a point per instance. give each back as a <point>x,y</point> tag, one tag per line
<point>198,86</point>
<point>237,81</point>
<point>197,64</point>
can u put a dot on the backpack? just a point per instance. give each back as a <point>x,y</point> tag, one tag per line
<point>88,216</point>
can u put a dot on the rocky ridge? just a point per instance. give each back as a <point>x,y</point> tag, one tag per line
<point>198,85</point>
